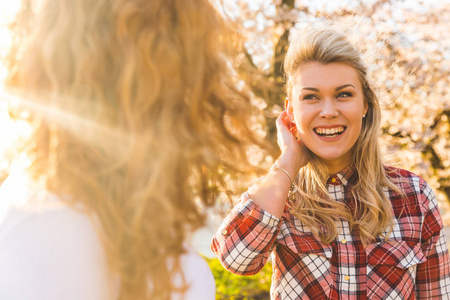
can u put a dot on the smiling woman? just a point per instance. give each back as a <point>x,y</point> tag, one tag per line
<point>339,223</point>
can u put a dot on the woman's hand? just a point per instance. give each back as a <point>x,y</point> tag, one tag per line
<point>271,191</point>
<point>293,151</point>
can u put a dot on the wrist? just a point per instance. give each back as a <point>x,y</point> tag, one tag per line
<point>292,185</point>
<point>290,163</point>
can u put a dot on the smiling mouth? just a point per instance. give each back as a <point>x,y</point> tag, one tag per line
<point>330,132</point>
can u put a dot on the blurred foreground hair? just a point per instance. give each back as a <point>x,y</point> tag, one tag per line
<point>137,121</point>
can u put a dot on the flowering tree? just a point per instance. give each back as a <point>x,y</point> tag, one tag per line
<point>407,48</point>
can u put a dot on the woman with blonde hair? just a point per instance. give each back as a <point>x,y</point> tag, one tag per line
<point>136,122</point>
<point>339,223</point>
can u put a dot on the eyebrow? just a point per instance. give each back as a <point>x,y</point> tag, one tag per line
<point>344,86</point>
<point>337,89</point>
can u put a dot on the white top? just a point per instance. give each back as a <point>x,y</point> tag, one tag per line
<point>50,251</point>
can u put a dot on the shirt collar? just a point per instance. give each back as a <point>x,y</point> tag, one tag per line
<point>346,177</point>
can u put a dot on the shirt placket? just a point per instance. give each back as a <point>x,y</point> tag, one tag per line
<point>347,273</point>
<point>346,269</point>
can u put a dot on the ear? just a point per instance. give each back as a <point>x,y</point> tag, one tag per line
<point>289,108</point>
<point>366,108</point>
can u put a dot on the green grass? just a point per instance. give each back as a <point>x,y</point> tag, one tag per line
<point>230,286</point>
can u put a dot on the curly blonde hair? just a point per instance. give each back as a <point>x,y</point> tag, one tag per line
<point>372,215</point>
<point>137,121</point>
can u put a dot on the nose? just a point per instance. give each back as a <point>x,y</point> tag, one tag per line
<point>329,110</point>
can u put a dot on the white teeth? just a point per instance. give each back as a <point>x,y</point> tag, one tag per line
<point>330,131</point>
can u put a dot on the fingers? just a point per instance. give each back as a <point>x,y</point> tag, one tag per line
<point>291,146</point>
<point>283,117</point>
<point>286,131</point>
<point>283,121</point>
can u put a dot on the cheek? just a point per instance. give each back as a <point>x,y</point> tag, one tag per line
<point>356,116</point>
<point>301,124</point>
<point>357,124</point>
<point>303,118</point>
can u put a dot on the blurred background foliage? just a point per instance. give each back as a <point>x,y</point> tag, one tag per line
<point>407,48</point>
<point>234,287</point>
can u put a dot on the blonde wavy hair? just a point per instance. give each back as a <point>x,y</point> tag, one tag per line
<point>372,215</point>
<point>137,121</point>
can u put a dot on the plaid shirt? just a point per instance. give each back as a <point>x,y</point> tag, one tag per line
<point>412,264</point>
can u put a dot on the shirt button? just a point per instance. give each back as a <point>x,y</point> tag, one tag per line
<point>333,180</point>
<point>344,241</point>
<point>225,232</point>
<point>347,278</point>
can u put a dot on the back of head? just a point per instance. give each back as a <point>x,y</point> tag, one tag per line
<point>136,117</point>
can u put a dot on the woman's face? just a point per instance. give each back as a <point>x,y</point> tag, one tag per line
<point>327,104</point>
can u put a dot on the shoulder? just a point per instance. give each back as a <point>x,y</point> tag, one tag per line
<point>30,211</point>
<point>414,188</point>
<point>405,179</point>
<point>198,276</point>
<point>48,250</point>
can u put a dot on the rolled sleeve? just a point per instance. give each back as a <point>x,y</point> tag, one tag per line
<point>246,237</point>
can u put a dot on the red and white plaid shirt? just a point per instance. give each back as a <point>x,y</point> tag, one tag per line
<point>412,264</point>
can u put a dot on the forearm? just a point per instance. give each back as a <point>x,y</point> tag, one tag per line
<point>271,191</point>
<point>248,235</point>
